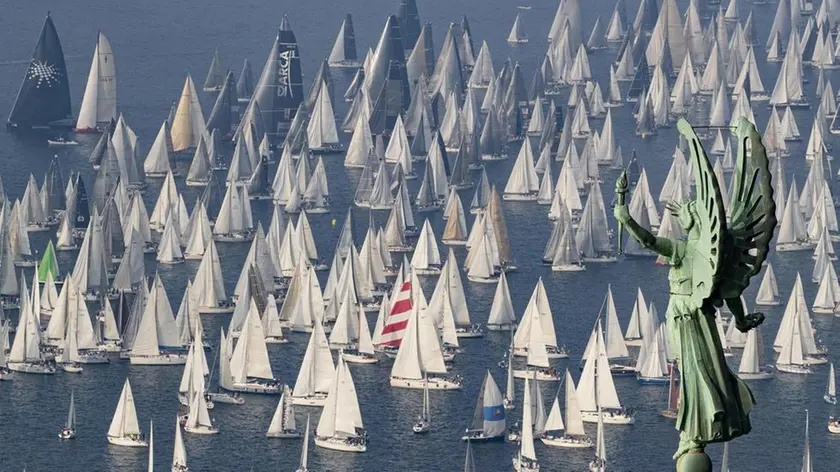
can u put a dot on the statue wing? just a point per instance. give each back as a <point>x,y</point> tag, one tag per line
<point>707,259</point>
<point>752,214</point>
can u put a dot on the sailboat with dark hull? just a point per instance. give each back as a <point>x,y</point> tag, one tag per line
<point>43,100</point>
<point>279,91</point>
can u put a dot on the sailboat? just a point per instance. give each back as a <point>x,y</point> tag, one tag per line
<point>189,126</point>
<point>283,422</point>
<point>25,355</point>
<point>502,316</point>
<point>424,421</point>
<point>673,408</point>
<point>316,371</point>
<point>517,32</point>
<point>198,419</point>
<point>752,365</point>
<point>37,106</point>
<point>831,390</point>
<point>768,291</point>
<point>574,434</point>
<point>304,452</point>
<point>539,311</point>
<point>157,341</point>
<point>344,52</point>
<point>526,459</point>
<point>793,358</point>
<point>179,452</point>
<point>488,422</point>
<point>99,104</point>
<point>364,352</point>
<point>807,466</point>
<point>596,380</point>
<point>420,352</point>
<point>69,430</point>
<point>250,367</point>
<point>599,463</point>
<point>340,427</point>
<point>125,428</point>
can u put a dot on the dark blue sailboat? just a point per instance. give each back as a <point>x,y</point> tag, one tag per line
<point>43,100</point>
<point>280,88</point>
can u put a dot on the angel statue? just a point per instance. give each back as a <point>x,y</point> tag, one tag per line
<point>713,266</point>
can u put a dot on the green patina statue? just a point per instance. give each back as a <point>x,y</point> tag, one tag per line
<point>712,267</point>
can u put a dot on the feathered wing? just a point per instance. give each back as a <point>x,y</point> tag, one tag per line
<point>706,265</point>
<point>753,214</point>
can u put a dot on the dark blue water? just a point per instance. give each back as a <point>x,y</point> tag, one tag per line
<point>156,44</point>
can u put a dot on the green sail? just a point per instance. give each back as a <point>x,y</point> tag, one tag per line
<point>48,264</point>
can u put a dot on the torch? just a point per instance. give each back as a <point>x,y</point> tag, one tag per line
<point>620,192</point>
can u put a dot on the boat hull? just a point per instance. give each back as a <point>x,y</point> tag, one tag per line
<point>653,380</point>
<point>481,438</point>
<point>163,359</point>
<point>317,400</point>
<point>221,397</point>
<point>127,442</point>
<point>29,368</point>
<point>793,369</point>
<point>519,197</point>
<point>553,353</point>
<point>542,376</point>
<point>203,430</point>
<point>284,435</point>
<point>216,310</point>
<point>609,417</point>
<point>567,442</point>
<point>525,466</point>
<point>261,389</point>
<point>358,359</point>
<point>337,444</point>
<point>433,383</point>
<point>276,340</point>
<point>483,280</point>
<point>495,327</point>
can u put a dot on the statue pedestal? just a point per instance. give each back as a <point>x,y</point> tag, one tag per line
<point>696,461</point>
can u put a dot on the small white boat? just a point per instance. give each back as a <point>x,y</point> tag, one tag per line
<point>198,420</point>
<point>69,429</point>
<point>72,368</point>
<point>340,427</point>
<point>834,425</point>
<point>60,141</point>
<point>831,391</point>
<point>543,375</point>
<point>424,421</point>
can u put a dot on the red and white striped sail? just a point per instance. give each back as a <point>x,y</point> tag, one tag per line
<point>394,330</point>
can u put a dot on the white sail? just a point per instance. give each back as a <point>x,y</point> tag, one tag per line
<point>341,416</point>
<point>189,125</point>
<point>317,368</point>
<point>125,421</point>
<point>179,454</point>
<point>99,103</point>
<point>250,357</point>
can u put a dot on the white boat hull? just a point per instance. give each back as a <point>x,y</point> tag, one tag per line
<point>609,417</point>
<point>792,247</point>
<point>540,375</point>
<point>433,383</point>
<point>222,397</point>
<point>318,400</point>
<point>284,435</point>
<point>793,369</point>
<point>339,444</point>
<point>483,280</point>
<point>162,359</point>
<point>495,327</point>
<point>519,197</point>
<point>570,442</point>
<point>359,359</point>
<point>568,268</point>
<point>203,430</point>
<point>276,340</point>
<point>552,353</point>
<point>127,441</point>
<point>259,388</point>
<point>29,368</point>
<point>216,310</point>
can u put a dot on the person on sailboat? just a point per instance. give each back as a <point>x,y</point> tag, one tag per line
<point>709,268</point>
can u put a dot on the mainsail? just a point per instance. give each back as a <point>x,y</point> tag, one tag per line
<point>279,91</point>
<point>44,96</point>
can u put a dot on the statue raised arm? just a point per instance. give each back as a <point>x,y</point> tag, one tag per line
<point>713,266</point>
